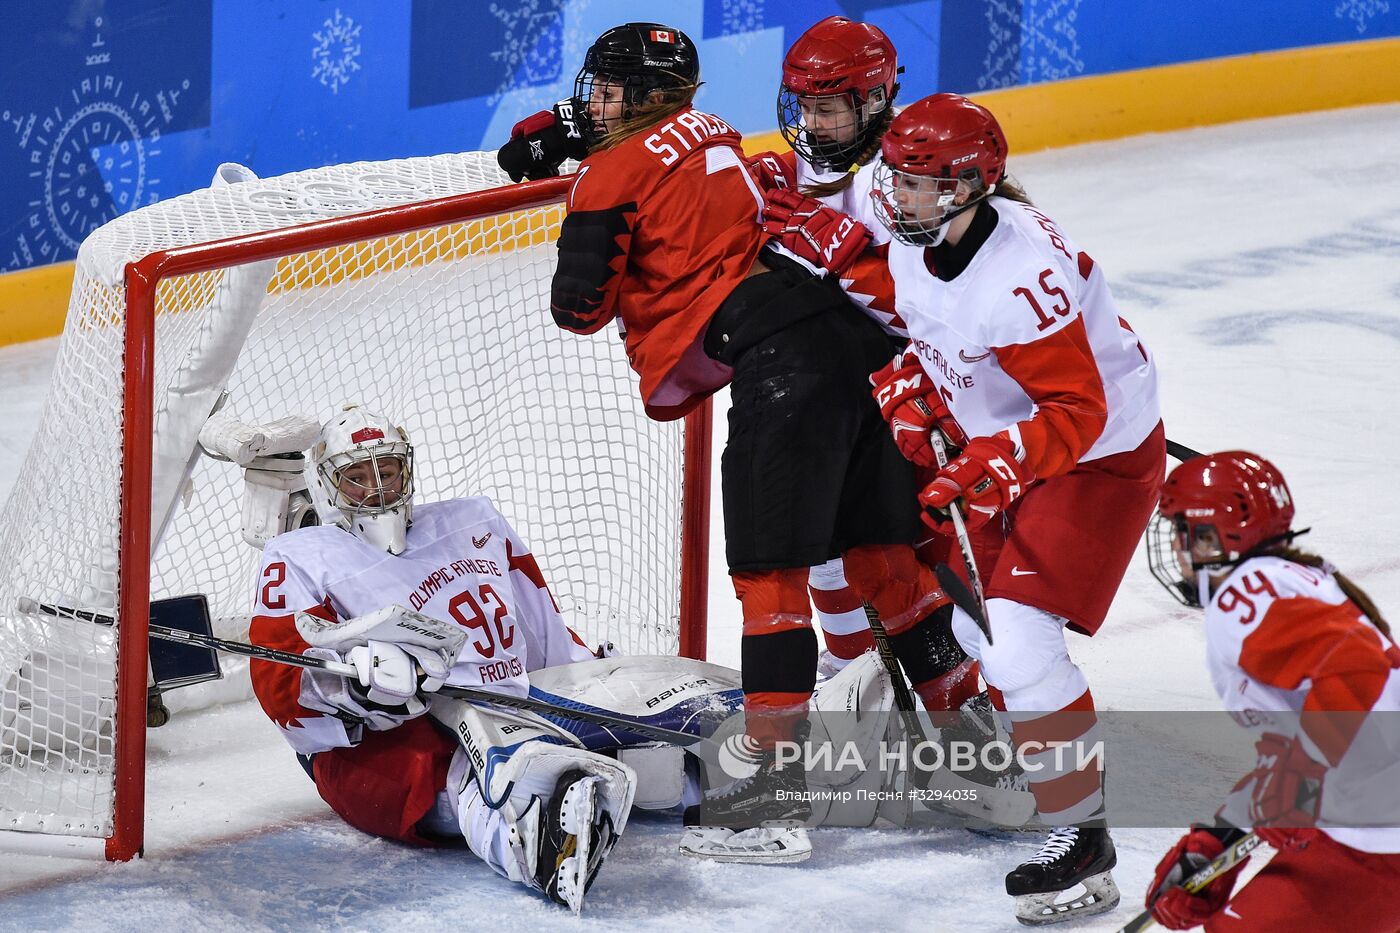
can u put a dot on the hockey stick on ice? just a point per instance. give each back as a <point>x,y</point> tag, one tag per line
<point>1222,863</point>
<point>977,606</point>
<point>476,695</point>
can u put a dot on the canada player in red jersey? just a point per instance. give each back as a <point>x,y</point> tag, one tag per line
<point>1285,634</point>
<point>663,236</point>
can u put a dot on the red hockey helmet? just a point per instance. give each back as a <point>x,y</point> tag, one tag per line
<point>853,64</point>
<point>933,145</point>
<point>1234,499</point>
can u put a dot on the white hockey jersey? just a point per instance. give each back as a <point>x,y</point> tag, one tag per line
<point>463,563</point>
<point>866,282</point>
<point>1027,340</point>
<point>1283,638</point>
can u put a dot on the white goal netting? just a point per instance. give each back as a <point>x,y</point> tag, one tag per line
<point>446,330</point>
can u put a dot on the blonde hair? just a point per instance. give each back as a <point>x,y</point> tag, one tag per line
<point>659,104</point>
<point>1011,189</point>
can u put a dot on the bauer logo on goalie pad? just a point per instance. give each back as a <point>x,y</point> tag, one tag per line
<point>366,434</point>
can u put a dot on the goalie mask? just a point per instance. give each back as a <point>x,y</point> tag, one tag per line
<point>1216,511</point>
<point>364,472</point>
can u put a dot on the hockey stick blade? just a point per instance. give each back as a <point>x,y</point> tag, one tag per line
<point>1222,863</point>
<point>962,597</point>
<point>542,707</point>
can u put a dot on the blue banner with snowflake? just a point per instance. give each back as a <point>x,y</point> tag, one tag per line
<point>106,105</point>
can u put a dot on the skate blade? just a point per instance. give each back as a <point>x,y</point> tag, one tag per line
<point>576,818</point>
<point>1096,894</point>
<point>775,842</point>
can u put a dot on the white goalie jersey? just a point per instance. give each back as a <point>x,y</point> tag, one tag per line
<point>463,564</point>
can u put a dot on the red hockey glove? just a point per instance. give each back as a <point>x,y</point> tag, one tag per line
<point>769,171</point>
<point>540,143</point>
<point>910,404</point>
<point>1287,784</point>
<point>819,234</point>
<point>986,476</point>
<point>1172,905</point>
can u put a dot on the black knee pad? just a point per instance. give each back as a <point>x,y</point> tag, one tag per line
<point>927,649</point>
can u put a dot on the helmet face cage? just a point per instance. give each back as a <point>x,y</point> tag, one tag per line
<point>1171,539</point>
<point>831,131</point>
<point>376,497</point>
<point>917,208</point>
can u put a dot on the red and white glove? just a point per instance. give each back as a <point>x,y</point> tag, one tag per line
<point>986,476</point>
<point>1287,784</point>
<point>769,171</point>
<point>911,405</point>
<point>819,234</point>
<point>1172,905</point>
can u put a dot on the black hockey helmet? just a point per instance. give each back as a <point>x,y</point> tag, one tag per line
<point>642,58</point>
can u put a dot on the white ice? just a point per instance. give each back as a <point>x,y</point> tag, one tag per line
<point>1261,264</point>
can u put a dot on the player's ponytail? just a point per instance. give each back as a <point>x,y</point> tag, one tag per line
<point>660,104</point>
<point>1011,189</point>
<point>1353,592</point>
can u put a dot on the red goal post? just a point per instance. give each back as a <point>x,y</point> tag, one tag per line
<point>338,247</point>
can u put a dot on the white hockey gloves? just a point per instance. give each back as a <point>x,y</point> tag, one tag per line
<point>399,656</point>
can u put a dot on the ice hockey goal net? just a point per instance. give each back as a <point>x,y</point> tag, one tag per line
<point>419,287</point>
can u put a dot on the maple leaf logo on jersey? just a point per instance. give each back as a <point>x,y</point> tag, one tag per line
<point>481,542</point>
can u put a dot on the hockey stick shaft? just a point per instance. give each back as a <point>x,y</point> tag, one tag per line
<point>979,602</point>
<point>1180,451</point>
<point>903,699</point>
<point>1225,861</point>
<point>473,694</point>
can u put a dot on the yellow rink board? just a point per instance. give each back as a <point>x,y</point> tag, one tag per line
<point>1222,90</point>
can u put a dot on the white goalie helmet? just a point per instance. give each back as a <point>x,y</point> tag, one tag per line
<point>364,474</point>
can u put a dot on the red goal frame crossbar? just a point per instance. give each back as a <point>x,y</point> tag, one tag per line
<point>134,587</point>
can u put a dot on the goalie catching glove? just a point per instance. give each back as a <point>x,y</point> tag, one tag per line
<point>541,142</point>
<point>819,234</point>
<point>987,476</point>
<point>399,657</point>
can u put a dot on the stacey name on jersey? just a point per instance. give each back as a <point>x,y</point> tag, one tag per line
<point>462,562</point>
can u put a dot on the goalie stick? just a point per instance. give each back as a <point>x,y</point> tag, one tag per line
<point>474,694</point>
<point>1222,863</point>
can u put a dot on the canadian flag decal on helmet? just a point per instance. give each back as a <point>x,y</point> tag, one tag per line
<point>366,434</point>
<point>663,35</point>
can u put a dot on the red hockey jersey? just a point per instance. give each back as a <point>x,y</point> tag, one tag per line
<point>660,229</point>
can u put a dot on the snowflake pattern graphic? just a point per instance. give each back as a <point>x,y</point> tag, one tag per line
<point>740,22</point>
<point>1031,41</point>
<point>1361,12</point>
<point>532,52</point>
<point>336,50</point>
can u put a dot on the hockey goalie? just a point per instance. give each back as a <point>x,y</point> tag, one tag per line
<point>416,596</point>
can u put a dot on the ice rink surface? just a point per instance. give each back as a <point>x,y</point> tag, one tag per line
<point>1260,262</point>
